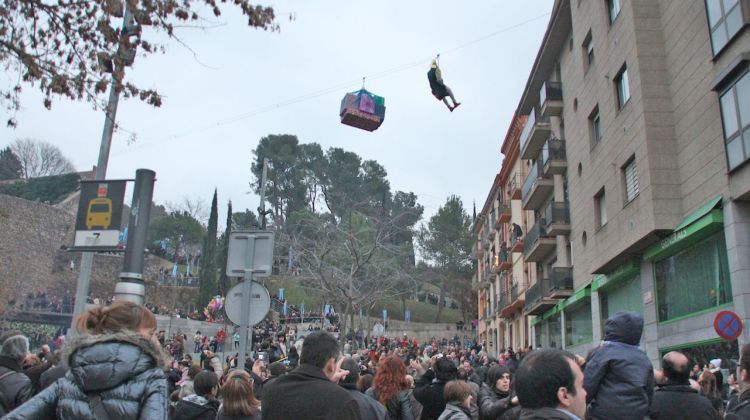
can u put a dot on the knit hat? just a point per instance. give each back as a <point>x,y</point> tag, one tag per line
<point>15,347</point>
<point>717,365</point>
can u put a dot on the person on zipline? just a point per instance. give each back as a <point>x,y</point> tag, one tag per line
<point>439,89</point>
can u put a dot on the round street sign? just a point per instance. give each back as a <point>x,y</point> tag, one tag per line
<point>728,325</point>
<point>260,303</point>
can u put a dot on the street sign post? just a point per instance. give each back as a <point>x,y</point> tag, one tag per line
<point>260,303</point>
<point>728,325</point>
<point>250,254</point>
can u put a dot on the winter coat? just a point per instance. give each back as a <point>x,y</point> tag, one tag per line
<point>222,416</point>
<point>545,413</point>
<point>215,364</point>
<point>186,389</point>
<point>368,407</point>
<point>681,402</point>
<point>492,403</point>
<point>455,411</point>
<point>123,369</point>
<point>398,407</point>
<point>619,377</point>
<point>196,407</point>
<point>15,387</point>
<point>741,410</point>
<point>429,393</point>
<point>306,393</point>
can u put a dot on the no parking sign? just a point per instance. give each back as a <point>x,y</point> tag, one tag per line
<point>728,325</point>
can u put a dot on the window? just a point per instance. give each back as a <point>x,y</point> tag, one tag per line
<point>578,326</point>
<point>630,177</point>
<point>588,52</point>
<point>622,86</point>
<point>735,114</point>
<point>600,205</point>
<point>622,297</point>
<point>614,9</point>
<point>555,332</point>
<point>724,20</point>
<point>595,126</point>
<point>694,279</point>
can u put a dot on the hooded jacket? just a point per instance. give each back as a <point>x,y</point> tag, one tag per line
<point>124,369</point>
<point>492,403</point>
<point>619,378</point>
<point>455,411</point>
<point>196,407</point>
<point>15,387</point>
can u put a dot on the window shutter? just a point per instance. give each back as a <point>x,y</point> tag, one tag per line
<point>631,181</point>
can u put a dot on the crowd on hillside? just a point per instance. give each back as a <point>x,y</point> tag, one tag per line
<point>116,369</point>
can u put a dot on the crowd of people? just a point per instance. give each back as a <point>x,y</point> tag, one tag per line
<point>116,368</point>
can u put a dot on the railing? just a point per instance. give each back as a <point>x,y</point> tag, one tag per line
<point>557,212</point>
<point>550,90</point>
<point>502,300</point>
<point>531,178</point>
<point>554,149</point>
<point>534,117</point>
<point>537,291</point>
<point>561,278</point>
<point>493,217</point>
<point>514,292</point>
<point>533,235</point>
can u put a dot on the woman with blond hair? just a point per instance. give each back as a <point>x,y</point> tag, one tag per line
<point>116,370</point>
<point>238,398</point>
<point>391,388</point>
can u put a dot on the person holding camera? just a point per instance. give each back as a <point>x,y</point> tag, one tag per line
<point>428,389</point>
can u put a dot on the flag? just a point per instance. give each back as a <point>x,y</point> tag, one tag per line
<point>385,315</point>
<point>281,293</point>
<point>407,315</point>
<point>174,271</point>
<point>187,270</point>
<point>302,310</point>
<point>284,309</point>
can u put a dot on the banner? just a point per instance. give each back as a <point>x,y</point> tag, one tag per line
<point>385,315</point>
<point>281,293</point>
<point>407,315</point>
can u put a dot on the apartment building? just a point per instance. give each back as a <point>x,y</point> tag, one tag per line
<point>636,142</point>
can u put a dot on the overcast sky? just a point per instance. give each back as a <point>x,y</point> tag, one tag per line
<point>238,87</point>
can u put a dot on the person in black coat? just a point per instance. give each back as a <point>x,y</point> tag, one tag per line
<point>368,407</point>
<point>202,405</point>
<point>495,396</point>
<point>619,377</point>
<point>428,390</point>
<point>676,399</point>
<point>311,391</point>
<point>741,408</point>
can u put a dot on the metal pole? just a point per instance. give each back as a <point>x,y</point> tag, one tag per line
<point>87,258</point>
<point>262,207</point>
<point>131,286</point>
<point>246,298</point>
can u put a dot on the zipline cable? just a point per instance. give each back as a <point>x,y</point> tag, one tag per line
<point>325,91</point>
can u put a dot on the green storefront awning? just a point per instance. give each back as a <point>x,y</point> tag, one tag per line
<point>536,321</point>
<point>688,235</point>
<point>692,217</point>
<point>578,296</point>
<point>552,312</point>
<point>625,272</point>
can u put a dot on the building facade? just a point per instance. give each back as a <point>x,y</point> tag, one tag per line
<point>637,143</point>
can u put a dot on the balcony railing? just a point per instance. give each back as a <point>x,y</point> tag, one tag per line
<point>557,213</point>
<point>514,186</point>
<point>553,157</point>
<point>514,292</point>
<point>560,281</point>
<point>536,188</point>
<point>537,129</point>
<point>533,236</point>
<point>531,179</point>
<point>550,98</point>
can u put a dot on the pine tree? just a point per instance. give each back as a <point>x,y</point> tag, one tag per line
<point>223,278</point>
<point>208,265</point>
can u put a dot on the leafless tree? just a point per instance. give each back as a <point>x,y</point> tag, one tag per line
<point>195,207</point>
<point>39,158</point>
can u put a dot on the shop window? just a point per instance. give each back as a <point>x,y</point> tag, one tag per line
<point>702,353</point>
<point>578,325</point>
<point>622,297</point>
<point>538,335</point>
<point>555,332</point>
<point>693,280</point>
<point>735,115</point>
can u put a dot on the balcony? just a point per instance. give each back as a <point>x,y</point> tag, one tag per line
<point>514,186</point>
<point>537,301</point>
<point>503,260</point>
<point>516,301</point>
<point>560,282</point>
<point>536,189</point>
<point>502,301</point>
<point>557,218</point>
<point>554,159</point>
<point>538,244</point>
<point>536,131</point>
<point>503,216</point>
<point>551,99</point>
<point>516,239</point>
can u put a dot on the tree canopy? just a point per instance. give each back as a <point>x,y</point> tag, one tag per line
<point>40,158</point>
<point>75,49</point>
<point>10,165</point>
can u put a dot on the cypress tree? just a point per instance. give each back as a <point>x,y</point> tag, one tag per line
<point>208,286</point>
<point>223,279</point>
